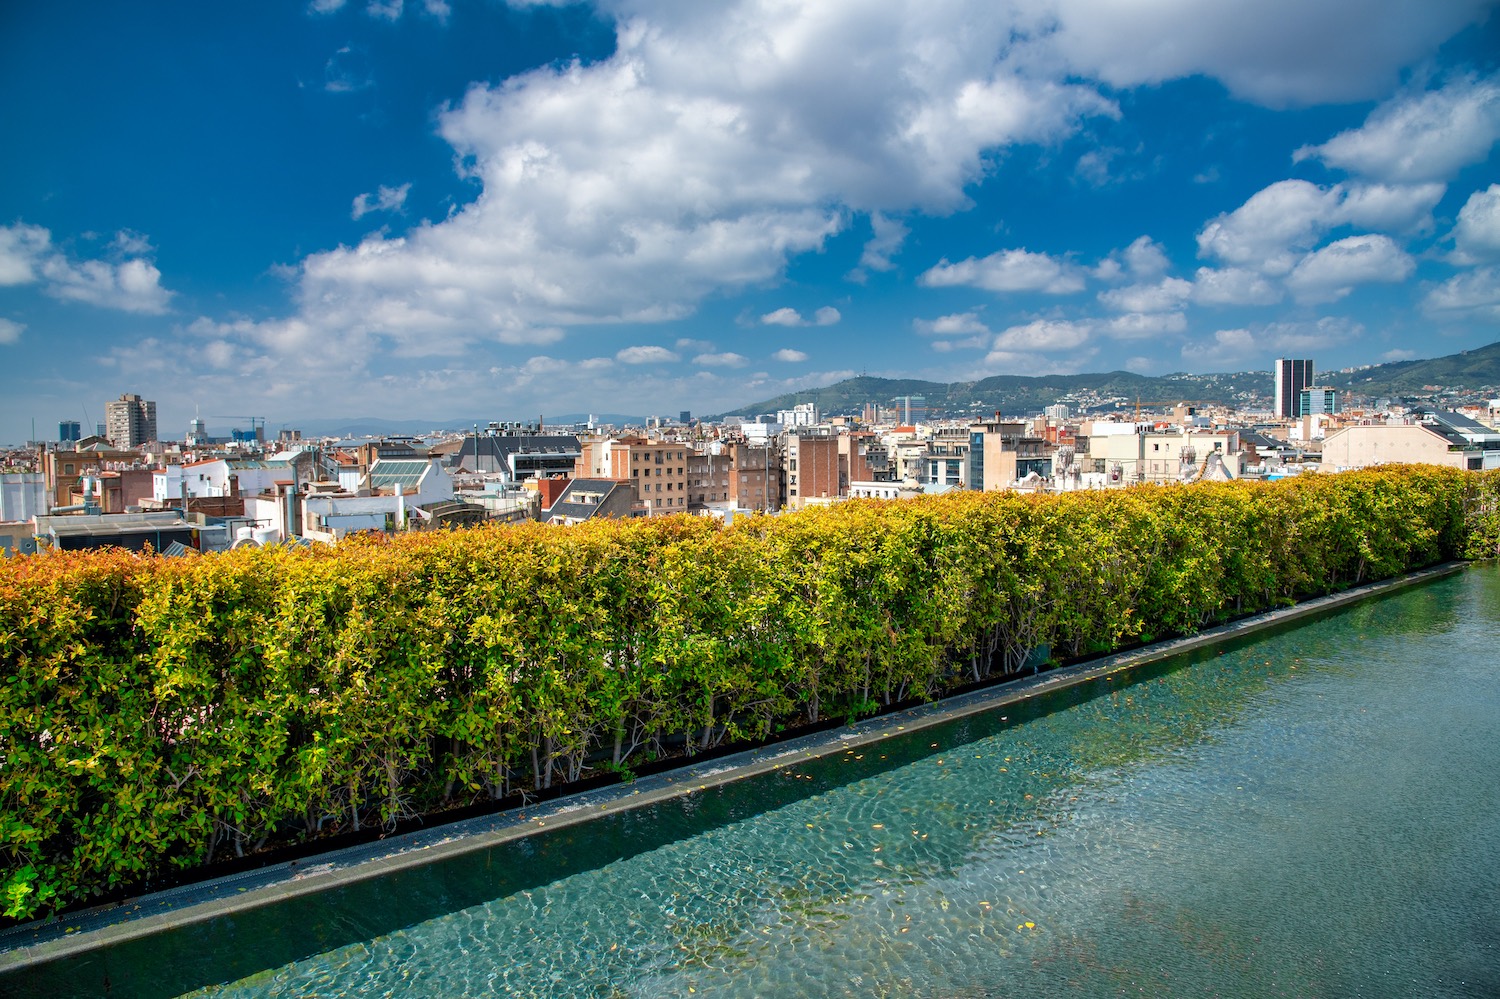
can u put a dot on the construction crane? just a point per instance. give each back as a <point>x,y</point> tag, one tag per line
<point>257,427</point>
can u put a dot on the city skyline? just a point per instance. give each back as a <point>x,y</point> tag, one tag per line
<point>430,208</point>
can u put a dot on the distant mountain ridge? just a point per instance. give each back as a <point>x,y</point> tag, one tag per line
<point>1474,371</point>
<point>1015,395</point>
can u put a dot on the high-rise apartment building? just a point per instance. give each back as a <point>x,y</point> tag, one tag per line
<point>1291,378</point>
<point>130,421</point>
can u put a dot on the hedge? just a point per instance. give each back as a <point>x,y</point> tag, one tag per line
<point>159,714</point>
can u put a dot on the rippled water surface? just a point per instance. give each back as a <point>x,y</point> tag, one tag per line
<point>1314,812</point>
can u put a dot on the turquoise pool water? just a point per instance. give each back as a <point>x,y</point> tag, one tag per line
<point>1309,812</point>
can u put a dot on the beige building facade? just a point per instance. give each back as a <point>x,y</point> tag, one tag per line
<point>1363,446</point>
<point>1162,456</point>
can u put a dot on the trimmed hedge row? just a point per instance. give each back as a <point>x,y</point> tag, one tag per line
<point>158,714</point>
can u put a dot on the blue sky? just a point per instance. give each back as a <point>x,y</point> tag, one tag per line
<point>450,208</point>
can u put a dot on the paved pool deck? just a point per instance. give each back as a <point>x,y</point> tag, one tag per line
<point>79,932</point>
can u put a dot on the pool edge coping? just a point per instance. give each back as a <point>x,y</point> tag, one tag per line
<point>200,902</point>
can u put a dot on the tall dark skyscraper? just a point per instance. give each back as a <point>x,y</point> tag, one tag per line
<point>1291,378</point>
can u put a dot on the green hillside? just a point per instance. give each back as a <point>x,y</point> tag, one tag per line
<point>1475,372</point>
<point>1019,395</point>
<point>1468,374</point>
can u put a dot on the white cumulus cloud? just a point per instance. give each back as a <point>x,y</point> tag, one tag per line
<point>1146,258</point>
<point>1227,347</point>
<point>1281,223</point>
<point>1332,272</point>
<point>1044,335</point>
<point>386,199</point>
<point>1271,230</point>
<point>707,150</point>
<point>1007,271</point>
<point>385,10</point>
<point>1477,234</point>
<point>1233,286</point>
<point>716,143</point>
<point>1163,296</point>
<point>789,356</point>
<point>957,324</point>
<point>128,281</point>
<point>10,331</point>
<point>1237,346</point>
<point>888,236</point>
<point>646,355</point>
<point>1473,293</point>
<point>1421,137</point>
<point>826,316</point>
<point>783,317</point>
<point>727,359</point>
<point>22,248</point>
<point>1144,325</point>
<point>1398,208</point>
<point>1275,52</point>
